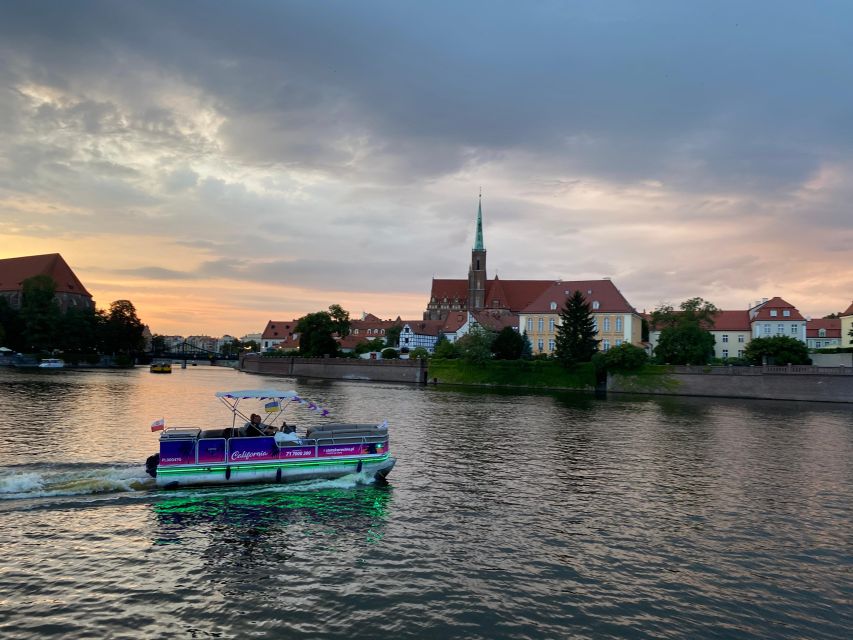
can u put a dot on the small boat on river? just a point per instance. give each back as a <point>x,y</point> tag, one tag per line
<point>260,452</point>
<point>51,363</point>
<point>161,367</point>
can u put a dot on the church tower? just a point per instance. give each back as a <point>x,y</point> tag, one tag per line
<point>477,272</point>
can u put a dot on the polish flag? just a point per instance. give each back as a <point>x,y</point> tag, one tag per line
<point>158,425</point>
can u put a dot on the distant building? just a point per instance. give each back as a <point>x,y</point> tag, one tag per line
<point>847,327</point>
<point>279,335</point>
<point>823,333</point>
<point>70,292</point>
<point>776,317</point>
<point>731,333</point>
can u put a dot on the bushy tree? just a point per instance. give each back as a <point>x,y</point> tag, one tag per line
<point>392,335</point>
<point>122,329</point>
<point>625,357</point>
<point>778,350</point>
<point>576,340</point>
<point>526,347</point>
<point>340,320</point>
<point>13,326</point>
<point>389,354</point>
<point>78,331</point>
<point>418,353</point>
<point>508,344</point>
<point>366,346</point>
<point>476,345</point>
<point>316,335</point>
<point>444,348</point>
<point>40,313</point>
<point>850,333</point>
<point>684,336</point>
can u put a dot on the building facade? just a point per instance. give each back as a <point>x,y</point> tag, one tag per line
<point>70,292</point>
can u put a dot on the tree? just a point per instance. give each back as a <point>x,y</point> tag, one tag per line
<point>78,331</point>
<point>625,357</point>
<point>340,320</point>
<point>444,348</point>
<point>158,346</point>
<point>418,353</point>
<point>526,348</point>
<point>779,350</point>
<point>315,335</point>
<point>476,345</point>
<point>122,329</point>
<point>40,313</point>
<point>850,333</point>
<point>13,326</point>
<point>576,334</point>
<point>508,344</point>
<point>389,354</point>
<point>392,335</point>
<point>366,346</point>
<point>684,336</point>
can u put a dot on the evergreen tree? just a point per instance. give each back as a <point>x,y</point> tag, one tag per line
<point>576,334</point>
<point>40,313</point>
<point>526,347</point>
<point>508,345</point>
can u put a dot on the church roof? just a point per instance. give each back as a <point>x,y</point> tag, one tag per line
<point>13,272</point>
<point>512,294</point>
<point>478,238</point>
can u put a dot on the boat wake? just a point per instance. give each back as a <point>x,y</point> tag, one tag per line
<point>71,481</point>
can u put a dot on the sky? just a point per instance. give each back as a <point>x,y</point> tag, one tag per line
<point>222,164</point>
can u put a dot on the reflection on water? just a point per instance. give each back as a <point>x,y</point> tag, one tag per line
<point>512,515</point>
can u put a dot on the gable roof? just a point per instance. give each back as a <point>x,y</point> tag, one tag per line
<point>13,272</point>
<point>831,326</point>
<point>849,311</point>
<point>279,329</point>
<point>609,298</point>
<point>762,312</point>
<point>731,321</point>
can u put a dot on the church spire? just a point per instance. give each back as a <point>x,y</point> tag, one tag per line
<point>478,239</point>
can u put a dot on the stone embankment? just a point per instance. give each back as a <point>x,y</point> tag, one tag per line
<point>413,371</point>
<point>807,383</point>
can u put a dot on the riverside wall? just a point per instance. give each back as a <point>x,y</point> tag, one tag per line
<point>412,371</point>
<point>807,383</point>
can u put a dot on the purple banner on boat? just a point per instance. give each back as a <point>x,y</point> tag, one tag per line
<point>177,452</point>
<point>330,450</point>
<point>252,449</point>
<point>296,453</point>
<point>211,451</point>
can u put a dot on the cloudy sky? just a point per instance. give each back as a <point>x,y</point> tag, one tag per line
<point>221,164</point>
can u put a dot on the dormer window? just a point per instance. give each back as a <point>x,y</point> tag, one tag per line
<point>786,313</point>
<point>553,306</point>
<point>773,313</point>
<point>821,333</point>
<point>595,304</point>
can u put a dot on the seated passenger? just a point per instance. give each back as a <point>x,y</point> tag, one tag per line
<point>287,437</point>
<point>253,427</point>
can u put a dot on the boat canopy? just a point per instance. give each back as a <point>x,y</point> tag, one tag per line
<point>259,394</point>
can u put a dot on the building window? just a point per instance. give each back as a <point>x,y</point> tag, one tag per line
<point>541,344</point>
<point>766,329</point>
<point>786,313</point>
<point>725,353</point>
<point>821,333</point>
<point>551,325</point>
<point>553,306</point>
<point>530,325</point>
<point>541,324</point>
<point>725,337</point>
<point>595,304</point>
<point>773,313</point>
<point>605,345</point>
<point>606,323</point>
<point>550,345</point>
<point>740,337</point>
<point>780,329</point>
<point>618,323</point>
<point>595,324</point>
<point>794,329</point>
<point>618,343</point>
<point>740,353</point>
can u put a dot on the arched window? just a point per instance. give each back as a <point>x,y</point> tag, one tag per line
<point>595,304</point>
<point>553,306</point>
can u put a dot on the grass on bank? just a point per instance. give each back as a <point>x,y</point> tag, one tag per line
<point>513,373</point>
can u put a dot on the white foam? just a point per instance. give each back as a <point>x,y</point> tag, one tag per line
<point>92,481</point>
<point>20,483</point>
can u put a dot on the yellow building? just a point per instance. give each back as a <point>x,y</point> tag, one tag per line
<point>616,320</point>
<point>847,327</point>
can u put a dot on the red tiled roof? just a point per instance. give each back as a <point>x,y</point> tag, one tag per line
<point>778,304</point>
<point>511,294</point>
<point>832,326</point>
<point>450,289</point>
<point>731,321</point>
<point>13,271</point>
<point>609,298</point>
<point>849,311</point>
<point>279,329</point>
<point>493,322</point>
<point>434,327</point>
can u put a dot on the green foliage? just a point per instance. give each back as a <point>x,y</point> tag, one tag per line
<point>576,334</point>
<point>526,348</point>
<point>684,338</point>
<point>315,335</point>
<point>445,349</point>
<point>547,373</point>
<point>392,335</point>
<point>418,353</point>
<point>625,357</point>
<point>340,320</point>
<point>389,354</point>
<point>644,330</point>
<point>850,333</point>
<point>366,346</point>
<point>122,329</point>
<point>253,346</point>
<point>778,350</point>
<point>508,344</point>
<point>476,345</point>
<point>12,324</point>
<point>40,313</point>
<point>79,331</point>
<point>158,344</point>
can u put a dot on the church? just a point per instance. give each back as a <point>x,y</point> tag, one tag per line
<point>530,306</point>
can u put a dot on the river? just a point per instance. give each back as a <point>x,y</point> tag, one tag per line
<point>542,515</point>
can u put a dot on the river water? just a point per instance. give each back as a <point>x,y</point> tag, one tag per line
<point>507,516</point>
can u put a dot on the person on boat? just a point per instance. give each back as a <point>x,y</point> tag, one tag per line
<point>253,427</point>
<point>287,437</point>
